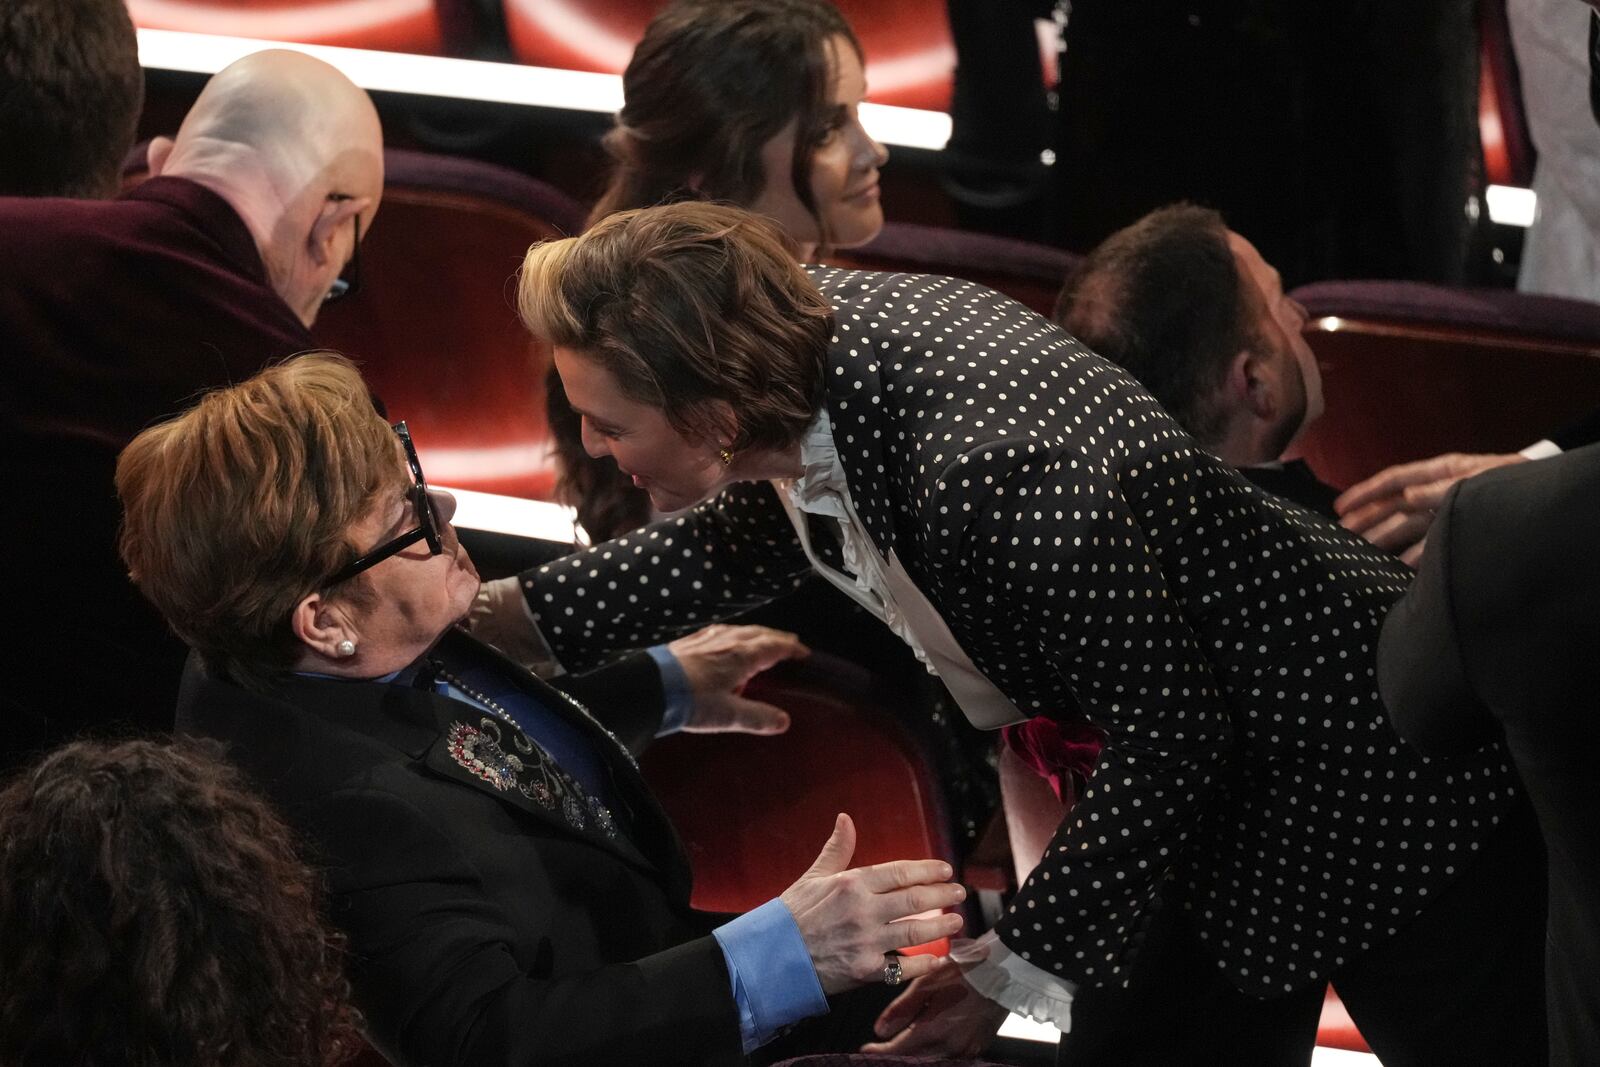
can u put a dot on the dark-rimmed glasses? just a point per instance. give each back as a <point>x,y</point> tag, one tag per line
<point>427,521</point>
<point>348,283</point>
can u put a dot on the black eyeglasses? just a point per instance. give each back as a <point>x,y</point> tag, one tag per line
<point>427,521</point>
<point>348,283</point>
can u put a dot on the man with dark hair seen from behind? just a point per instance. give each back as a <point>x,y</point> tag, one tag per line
<point>1191,309</point>
<point>71,90</point>
<point>116,313</point>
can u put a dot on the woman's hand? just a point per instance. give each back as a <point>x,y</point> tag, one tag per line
<point>938,1015</point>
<point>849,919</point>
<point>718,661</point>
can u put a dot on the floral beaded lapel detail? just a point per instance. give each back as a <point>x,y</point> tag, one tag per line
<point>515,765</point>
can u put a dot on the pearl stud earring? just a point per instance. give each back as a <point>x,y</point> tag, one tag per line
<point>347,647</point>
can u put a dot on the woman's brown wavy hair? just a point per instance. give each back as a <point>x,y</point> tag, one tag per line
<point>712,82</point>
<point>154,913</point>
<point>688,306</point>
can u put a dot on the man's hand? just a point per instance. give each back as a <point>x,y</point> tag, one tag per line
<point>1394,508</point>
<point>718,661</point>
<point>938,1015</point>
<point>850,918</point>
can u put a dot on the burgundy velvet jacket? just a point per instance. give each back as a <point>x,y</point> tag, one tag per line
<point>113,316</point>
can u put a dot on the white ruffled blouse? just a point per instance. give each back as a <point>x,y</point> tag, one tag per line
<point>881,585</point>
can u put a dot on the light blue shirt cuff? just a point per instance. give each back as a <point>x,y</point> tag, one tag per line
<point>774,983</point>
<point>675,689</point>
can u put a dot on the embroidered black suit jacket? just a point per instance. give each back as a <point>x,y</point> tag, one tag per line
<point>485,928</point>
<point>1086,554</point>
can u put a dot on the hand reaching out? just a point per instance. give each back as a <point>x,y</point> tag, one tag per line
<point>1394,508</point>
<point>850,918</point>
<point>718,661</point>
<point>938,1015</point>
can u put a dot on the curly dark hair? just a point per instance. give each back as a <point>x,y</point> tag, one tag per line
<point>153,911</point>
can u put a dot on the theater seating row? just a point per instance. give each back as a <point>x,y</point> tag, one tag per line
<point>907,41</point>
<point>910,55</point>
<point>1410,370</point>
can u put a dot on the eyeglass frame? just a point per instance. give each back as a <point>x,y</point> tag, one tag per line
<point>427,528</point>
<point>348,282</point>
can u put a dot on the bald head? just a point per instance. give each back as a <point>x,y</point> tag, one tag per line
<point>297,149</point>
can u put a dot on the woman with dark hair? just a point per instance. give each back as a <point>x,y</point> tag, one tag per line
<point>153,912</point>
<point>512,891</point>
<point>1042,533</point>
<point>755,104</point>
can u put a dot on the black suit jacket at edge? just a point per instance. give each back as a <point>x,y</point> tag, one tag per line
<point>484,930</point>
<point>1085,553</point>
<point>1500,636</point>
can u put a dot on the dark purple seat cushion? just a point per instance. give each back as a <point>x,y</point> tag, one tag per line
<point>938,250</point>
<point>470,177</point>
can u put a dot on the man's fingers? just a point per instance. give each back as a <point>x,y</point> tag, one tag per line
<point>754,717</point>
<point>1386,482</point>
<point>1413,555</point>
<point>909,932</point>
<point>1400,532</point>
<point>902,874</point>
<point>914,967</point>
<point>902,1009</point>
<point>836,853</point>
<point>917,900</point>
<point>1365,517</point>
<point>1428,495</point>
<point>1395,479</point>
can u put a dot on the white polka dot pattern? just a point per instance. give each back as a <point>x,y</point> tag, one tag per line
<point>1088,555</point>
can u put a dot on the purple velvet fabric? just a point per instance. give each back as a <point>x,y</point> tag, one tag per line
<point>469,177</point>
<point>1526,314</point>
<point>937,250</point>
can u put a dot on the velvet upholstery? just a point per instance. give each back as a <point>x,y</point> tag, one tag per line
<point>435,326</point>
<point>1412,370</point>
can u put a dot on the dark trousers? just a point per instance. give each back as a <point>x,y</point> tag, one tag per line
<point>1461,984</point>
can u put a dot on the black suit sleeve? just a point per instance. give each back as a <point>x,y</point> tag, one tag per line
<point>625,695</point>
<point>1422,664</point>
<point>437,982</point>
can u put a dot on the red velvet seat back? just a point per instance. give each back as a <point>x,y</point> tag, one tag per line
<point>388,25</point>
<point>755,811</point>
<point>1508,153</point>
<point>435,324</point>
<point>1413,370</point>
<point>907,42</point>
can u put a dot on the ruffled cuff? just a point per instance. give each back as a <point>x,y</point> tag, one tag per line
<point>1013,982</point>
<point>500,617</point>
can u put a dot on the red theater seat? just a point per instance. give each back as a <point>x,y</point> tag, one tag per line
<point>1027,272</point>
<point>1412,370</point>
<point>754,811</point>
<point>389,25</point>
<point>435,326</point>
<point>1508,153</point>
<point>909,54</point>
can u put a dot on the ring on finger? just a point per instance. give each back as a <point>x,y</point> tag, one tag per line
<point>892,972</point>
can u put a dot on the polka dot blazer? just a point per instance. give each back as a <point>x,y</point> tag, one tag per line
<point>1092,560</point>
